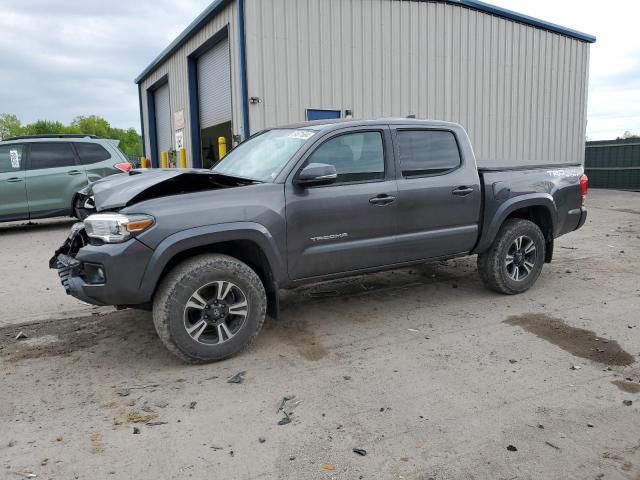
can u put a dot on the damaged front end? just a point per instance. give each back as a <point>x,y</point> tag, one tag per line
<point>65,262</point>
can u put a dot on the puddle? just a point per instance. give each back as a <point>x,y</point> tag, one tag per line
<point>577,341</point>
<point>628,387</point>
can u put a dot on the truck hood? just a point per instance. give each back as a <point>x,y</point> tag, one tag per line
<point>121,190</point>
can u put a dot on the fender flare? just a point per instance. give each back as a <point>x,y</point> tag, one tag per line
<point>209,235</point>
<point>507,208</point>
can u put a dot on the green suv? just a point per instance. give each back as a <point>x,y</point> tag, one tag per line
<point>41,175</point>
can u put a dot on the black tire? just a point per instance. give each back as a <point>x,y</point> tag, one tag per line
<point>172,314</point>
<point>493,265</point>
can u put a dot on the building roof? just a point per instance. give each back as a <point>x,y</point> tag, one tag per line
<point>217,5</point>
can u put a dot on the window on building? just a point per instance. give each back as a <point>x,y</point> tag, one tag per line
<point>427,152</point>
<point>11,158</point>
<point>358,157</point>
<point>50,155</point>
<point>91,153</point>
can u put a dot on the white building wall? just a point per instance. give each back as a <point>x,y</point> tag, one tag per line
<point>519,91</point>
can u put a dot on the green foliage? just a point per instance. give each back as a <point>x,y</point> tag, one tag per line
<point>130,141</point>
<point>9,125</point>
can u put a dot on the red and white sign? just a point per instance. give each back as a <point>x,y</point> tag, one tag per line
<point>178,120</point>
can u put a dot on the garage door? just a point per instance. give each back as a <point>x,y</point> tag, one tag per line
<point>163,118</point>
<point>214,86</point>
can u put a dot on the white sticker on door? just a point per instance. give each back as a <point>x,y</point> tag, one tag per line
<point>15,158</point>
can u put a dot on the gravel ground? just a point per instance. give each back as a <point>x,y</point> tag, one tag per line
<point>426,371</point>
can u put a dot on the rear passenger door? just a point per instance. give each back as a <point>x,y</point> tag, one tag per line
<point>96,161</point>
<point>13,194</point>
<point>439,196</point>
<point>53,177</point>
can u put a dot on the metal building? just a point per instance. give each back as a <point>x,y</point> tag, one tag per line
<point>517,84</point>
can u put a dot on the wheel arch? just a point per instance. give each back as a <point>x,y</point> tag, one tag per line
<point>538,208</point>
<point>251,244</point>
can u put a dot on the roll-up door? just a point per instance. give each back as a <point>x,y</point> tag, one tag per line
<point>214,86</point>
<point>163,118</point>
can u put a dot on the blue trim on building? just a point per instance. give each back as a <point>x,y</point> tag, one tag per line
<point>212,10</point>
<point>144,154</point>
<point>526,19</point>
<point>153,135</point>
<point>244,87</point>
<point>194,112</point>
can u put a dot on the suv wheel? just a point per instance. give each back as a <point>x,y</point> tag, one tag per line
<point>209,308</point>
<point>514,261</point>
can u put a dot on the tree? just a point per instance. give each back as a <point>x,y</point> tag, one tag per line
<point>626,135</point>
<point>130,141</point>
<point>9,126</point>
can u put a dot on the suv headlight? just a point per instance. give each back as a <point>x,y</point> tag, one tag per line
<point>115,227</point>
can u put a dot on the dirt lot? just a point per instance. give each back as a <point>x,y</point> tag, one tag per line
<point>425,370</point>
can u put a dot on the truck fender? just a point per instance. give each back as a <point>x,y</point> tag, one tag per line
<point>489,233</point>
<point>208,235</point>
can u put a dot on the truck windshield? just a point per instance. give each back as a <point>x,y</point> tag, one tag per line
<point>263,156</point>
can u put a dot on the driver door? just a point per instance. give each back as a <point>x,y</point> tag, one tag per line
<point>349,225</point>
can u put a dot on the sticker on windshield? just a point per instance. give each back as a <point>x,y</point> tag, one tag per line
<point>15,158</point>
<point>301,134</point>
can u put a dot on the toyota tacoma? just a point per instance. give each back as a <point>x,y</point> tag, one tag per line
<point>208,250</point>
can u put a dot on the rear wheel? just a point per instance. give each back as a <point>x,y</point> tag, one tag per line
<point>514,261</point>
<point>209,308</point>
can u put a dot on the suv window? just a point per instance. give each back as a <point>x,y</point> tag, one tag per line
<point>91,153</point>
<point>427,152</point>
<point>11,158</point>
<point>50,155</point>
<point>358,157</point>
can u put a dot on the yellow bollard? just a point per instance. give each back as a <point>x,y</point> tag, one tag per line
<point>183,158</point>
<point>222,147</point>
<point>143,162</point>
<point>164,162</point>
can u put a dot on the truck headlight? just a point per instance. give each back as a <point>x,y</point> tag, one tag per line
<point>115,227</point>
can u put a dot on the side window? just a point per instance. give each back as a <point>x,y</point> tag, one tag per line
<point>11,158</point>
<point>427,152</point>
<point>91,153</point>
<point>50,155</point>
<point>358,157</point>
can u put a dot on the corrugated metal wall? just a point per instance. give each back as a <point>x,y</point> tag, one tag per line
<point>518,90</point>
<point>613,164</point>
<point>176,69</point>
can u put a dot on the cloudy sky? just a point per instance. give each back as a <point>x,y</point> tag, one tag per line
<point>81,56</point>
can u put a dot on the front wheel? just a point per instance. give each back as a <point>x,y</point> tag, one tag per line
<point>209,308</point>
<point>514,261</point>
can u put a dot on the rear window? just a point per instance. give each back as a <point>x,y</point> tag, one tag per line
<point>91,153</point>
<point>11,158</point>
<point>427,152</point>
<point>50,155</point>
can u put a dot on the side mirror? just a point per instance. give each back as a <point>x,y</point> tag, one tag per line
<point>316,174</point>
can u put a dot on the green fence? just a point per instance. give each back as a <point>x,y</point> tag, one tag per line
<point>613,164</point>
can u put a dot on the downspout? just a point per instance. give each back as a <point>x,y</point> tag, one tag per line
<point>244,89</point>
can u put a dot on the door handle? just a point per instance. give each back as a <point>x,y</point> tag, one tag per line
<point>14,179</point>
<point>382,199</point>
<point>462,191</point>
<point>74,172</point>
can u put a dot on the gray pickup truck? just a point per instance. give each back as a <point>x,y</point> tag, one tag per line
<point>208,250</point>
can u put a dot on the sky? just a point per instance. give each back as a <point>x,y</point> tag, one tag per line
<point>81,56</point>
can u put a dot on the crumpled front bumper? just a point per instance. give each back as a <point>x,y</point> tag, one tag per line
<point>121,267</point>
